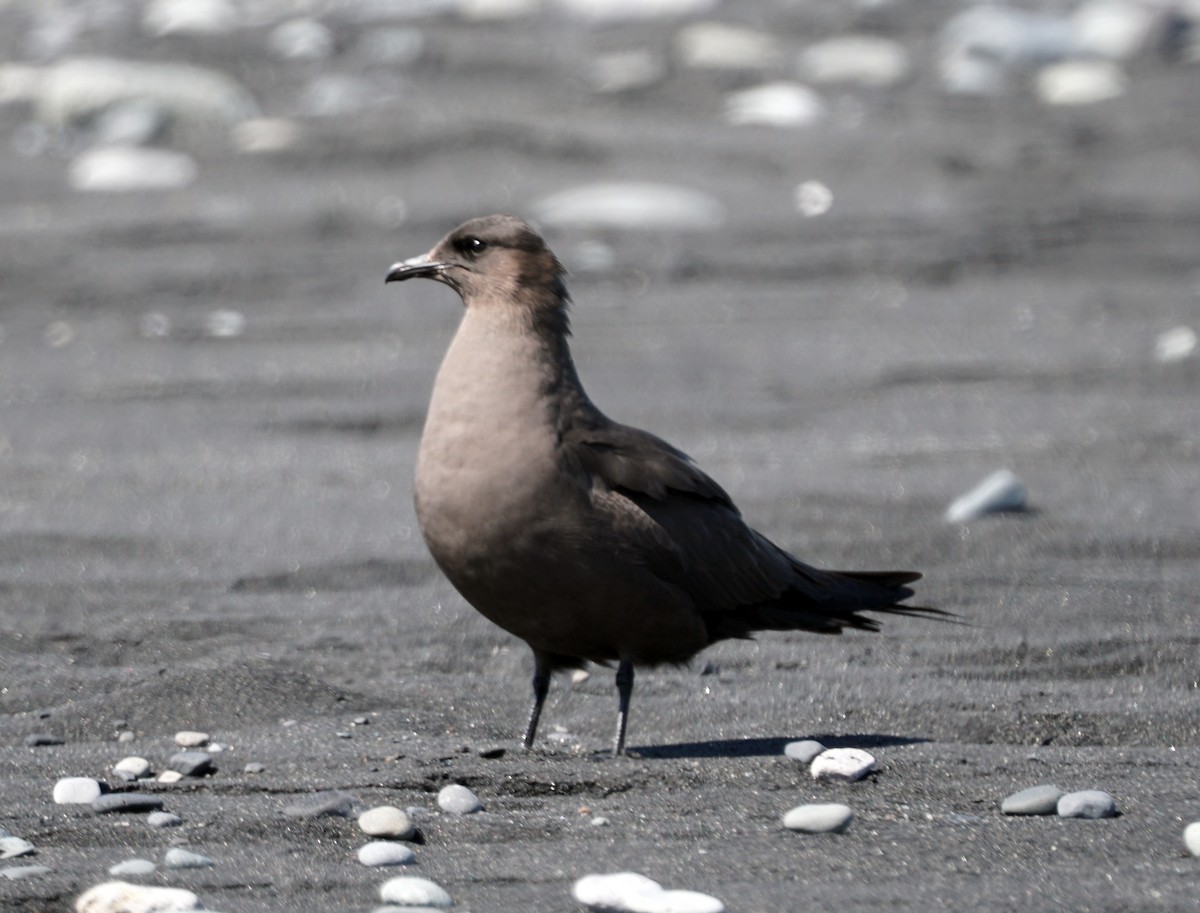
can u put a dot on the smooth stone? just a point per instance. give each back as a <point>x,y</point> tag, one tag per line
<point>123,897</point>
<point>190,738</point>
<point>1080,82</point>
<point>1175,344</point>
<point>1001,491</point>
<point>12,847</point>
<point>1115,29</point>
<point>179,858</point>
<point>865,60</point>
<point>458,800</point>
<point>1036,800</point>
<point>1087,803</point>
<point>387,821</point>
<point>123,169</point>
<point>847,764</point>
<point>1191,838</point>
<point>134,766</point>
<point>254,767</point>
<point>126,802</point>
<point>718,46</point>
<point>170,776</point>
<point>76,791</point>
<point>411,891</point>
<point>42,739</point>
<point>133,868</point>
<point>631,205</point>
<point>327,805</point>
<point>163,819</point>
<point>629,892</point>
<point>16,872</point>
<point>819,818</point>
<point>383,852</point>
<point>192,763</point>
<point>804,750</point>
<point>775,104</point>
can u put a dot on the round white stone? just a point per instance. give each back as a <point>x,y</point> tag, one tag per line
<point>384,852</point>
<point>410,891</point>
<point>387,821</point>
<point>819,818</point>
<point>76,791</point>
<point>458,800</point>
<point>189,738</point>
<point>134,766</point>
<point>629,892</point>
<point>1191,838</point>
<point>132,868</point>
<point>122,897</point>
<point>847,764</point>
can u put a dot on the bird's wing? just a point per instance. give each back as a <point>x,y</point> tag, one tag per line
<point>675,520</point>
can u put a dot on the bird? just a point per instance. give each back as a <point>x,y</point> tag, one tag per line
<point>590,540</point>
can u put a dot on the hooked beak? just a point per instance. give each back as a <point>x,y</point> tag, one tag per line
<point>415,268</point>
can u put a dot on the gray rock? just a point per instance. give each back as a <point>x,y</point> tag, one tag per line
<point>179,858</point>
<point>192,763</point>
<point>1036,800</point>
<point>133,766</point>
<point>133,868</point>
<point>458,800</point>
<point>15,872</point>
<point>126,802</point>
<point>42,739</point>
<point>384,852</point>
<point>804,750</point>
<point>819,818</point>
<point>326,805</point>
<point>1087,803</point>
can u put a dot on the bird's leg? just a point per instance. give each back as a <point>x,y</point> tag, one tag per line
<point>624,692</point>
<point>541,686</point>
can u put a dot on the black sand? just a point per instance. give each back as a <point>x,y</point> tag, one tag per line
<point>217,533</point>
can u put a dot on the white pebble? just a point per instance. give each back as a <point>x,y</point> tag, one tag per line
<point>387,821</point>
<point>116,169</point>
<point>629,892</point>
<point>718,46</point>
<point>1000,491</point>
<point>170,776</point>
<point>819,818</point>
<point>384,852</point>
<point>133,766</point>
<point>132,868</point>
<point>1087,803</point>
<point>847,764</point>
<point>1191,838</point>
<point>179,858</point>
<point>163,819</point>
<point>804,750</point>
<point>76,791</point>
<point>1175,345</point>
<point>1080,82</point>
<point>410,891</point>
<point>864,60</point>
<point>458,800</point>
<point>775,104</point>
<point>189,738</point>
<point>13,847</point>
<point>122,897</point>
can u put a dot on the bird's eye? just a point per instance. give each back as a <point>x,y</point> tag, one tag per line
<point>474,246</point>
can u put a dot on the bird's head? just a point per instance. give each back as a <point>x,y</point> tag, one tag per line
<point>492,260</point>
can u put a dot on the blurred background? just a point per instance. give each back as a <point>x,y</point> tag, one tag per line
<point>854,256</point>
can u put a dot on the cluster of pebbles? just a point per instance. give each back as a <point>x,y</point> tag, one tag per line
<point>391,829</point>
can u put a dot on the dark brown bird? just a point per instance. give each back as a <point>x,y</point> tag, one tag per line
<point>588,539</point>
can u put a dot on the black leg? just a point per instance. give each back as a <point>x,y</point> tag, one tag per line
<point>624,692</point>
<point>541,686</point>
